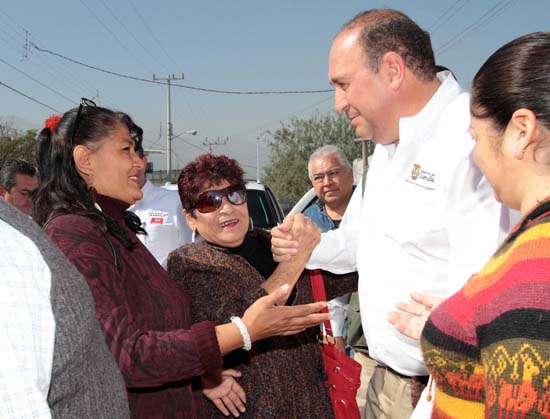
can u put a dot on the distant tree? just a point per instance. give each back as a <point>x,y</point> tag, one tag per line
<point>292,144</point>
<point>17,144</point>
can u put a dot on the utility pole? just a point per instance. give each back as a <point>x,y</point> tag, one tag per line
<point>169,131</point>
<point>258,159</point>
<point>211,144</point>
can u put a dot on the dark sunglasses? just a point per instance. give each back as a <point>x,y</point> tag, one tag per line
<point>210,201</point>
<point>83,102</point>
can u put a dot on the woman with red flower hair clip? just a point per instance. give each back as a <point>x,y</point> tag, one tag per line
<point>89,164</point>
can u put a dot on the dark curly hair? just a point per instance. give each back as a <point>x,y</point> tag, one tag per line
<point>385,30</point>
<point>206,170</point>
<point>61,189</point>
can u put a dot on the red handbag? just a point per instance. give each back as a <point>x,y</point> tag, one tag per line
<point>343,373</point>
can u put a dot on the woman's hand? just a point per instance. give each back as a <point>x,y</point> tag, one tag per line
<point>266,318</point>
<point>412,325</point>
<point>283,245</point>
<point>227,394</point>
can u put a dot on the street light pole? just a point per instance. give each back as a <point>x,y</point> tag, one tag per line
<point>169,131</point>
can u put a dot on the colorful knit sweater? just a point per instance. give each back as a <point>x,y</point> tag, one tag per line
<point>488,346</point>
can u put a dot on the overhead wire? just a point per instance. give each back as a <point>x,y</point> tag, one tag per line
<point>121,23</point>
<point>146,25</point>
<point>126,76</point>
<point>68,80</point>
<point>443,19</point>
<point>102,23</point>
<point>29,97</point>
<point>489,15</point>
<point>38,82</point>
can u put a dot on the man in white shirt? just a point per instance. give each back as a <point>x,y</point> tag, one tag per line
<point>161,215</point>
<point>429,219</point>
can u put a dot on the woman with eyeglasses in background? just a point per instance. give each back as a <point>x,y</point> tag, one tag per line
<point>88,163</point>
<point>283,377</point>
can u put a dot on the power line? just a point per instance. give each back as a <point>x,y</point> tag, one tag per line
<point>121,23</point>
<point>28,97</point>
<point>113,34</point>
<point>144,22</point>
<point>489,15</point>
<point>69,81</point>
<point>441,20</point>
<point>38,81</point>
<point>230,92</point>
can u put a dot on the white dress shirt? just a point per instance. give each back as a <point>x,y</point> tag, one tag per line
<point>161,215</point>
<point>427,222</point>
<point>27,328</point>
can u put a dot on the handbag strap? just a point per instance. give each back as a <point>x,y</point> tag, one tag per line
<point>319,294</point>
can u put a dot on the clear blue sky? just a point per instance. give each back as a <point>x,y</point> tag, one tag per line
<point>227,45</point>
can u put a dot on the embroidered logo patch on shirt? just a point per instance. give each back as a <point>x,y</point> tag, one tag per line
<point>418,173</point>
<point>420,177</point>
<point>157,217</point>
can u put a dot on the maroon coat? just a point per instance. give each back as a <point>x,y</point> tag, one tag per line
<point>283,376</point>
<point>145,317</point>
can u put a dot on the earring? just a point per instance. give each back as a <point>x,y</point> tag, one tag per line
<point>193,235</point>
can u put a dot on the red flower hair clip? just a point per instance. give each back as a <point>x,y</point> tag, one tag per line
<point>52,122</point>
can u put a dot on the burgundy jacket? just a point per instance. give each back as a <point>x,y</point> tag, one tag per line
<point>145,318</point>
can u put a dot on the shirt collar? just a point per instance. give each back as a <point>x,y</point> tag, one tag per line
<point>419,127</point>
<point>147,187</point>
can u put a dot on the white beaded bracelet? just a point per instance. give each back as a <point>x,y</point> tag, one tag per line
<point>244,332</point>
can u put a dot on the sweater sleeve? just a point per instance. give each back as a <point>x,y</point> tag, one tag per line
<point>215,294</point>
<point>146,358</point>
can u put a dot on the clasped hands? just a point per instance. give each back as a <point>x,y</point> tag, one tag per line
<point>295,235</point>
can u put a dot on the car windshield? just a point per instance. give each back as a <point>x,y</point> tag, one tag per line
<point>259,209</point>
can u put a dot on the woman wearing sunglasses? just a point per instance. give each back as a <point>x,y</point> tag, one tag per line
<point>283,377</point>
<point>88,162</point>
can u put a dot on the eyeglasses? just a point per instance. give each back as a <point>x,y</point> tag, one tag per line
<point>83,102</point>
<point>331,175</point>
<point>210,201</point>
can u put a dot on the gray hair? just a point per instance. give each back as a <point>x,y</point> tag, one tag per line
<point>326,151</point>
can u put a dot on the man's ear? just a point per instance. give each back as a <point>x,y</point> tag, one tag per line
<point>81,156</point>
<point>3,191</point>
<point>191,221</point>
<point>392,68</point>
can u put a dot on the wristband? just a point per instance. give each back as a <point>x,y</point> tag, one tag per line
<point>247,344</point>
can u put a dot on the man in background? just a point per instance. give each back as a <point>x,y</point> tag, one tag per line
<point>17,183</point>
<point>162,218</point>
<point>331,176</point>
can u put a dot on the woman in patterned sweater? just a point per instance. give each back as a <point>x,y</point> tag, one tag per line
<point>488,346</point>
<point>283,377</point>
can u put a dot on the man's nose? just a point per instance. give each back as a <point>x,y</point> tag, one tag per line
<point>340,102</point>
